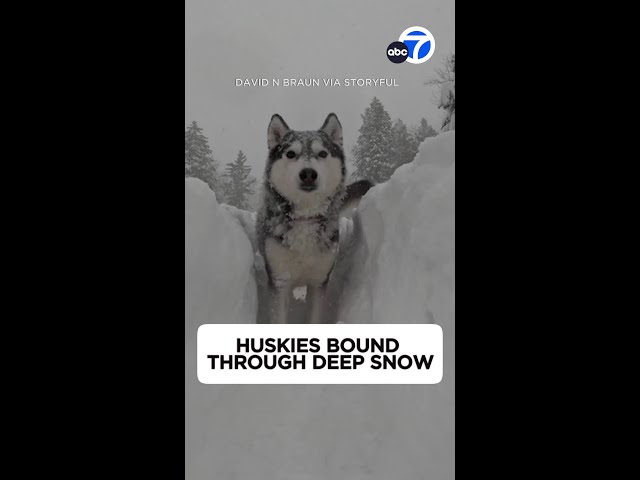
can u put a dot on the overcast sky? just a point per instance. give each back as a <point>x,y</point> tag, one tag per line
<point>225,40</point>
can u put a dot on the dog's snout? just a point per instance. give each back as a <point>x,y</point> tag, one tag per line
<point>308,176</point>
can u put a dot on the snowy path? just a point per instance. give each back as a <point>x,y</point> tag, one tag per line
<point>403,272</point>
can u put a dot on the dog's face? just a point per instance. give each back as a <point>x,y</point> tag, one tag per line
<point>305,167</point>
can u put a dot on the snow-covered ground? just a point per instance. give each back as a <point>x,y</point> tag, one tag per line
<point>401,269</point>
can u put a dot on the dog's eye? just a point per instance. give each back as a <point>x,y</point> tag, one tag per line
<point>291,154</point>
<point>323,154</point>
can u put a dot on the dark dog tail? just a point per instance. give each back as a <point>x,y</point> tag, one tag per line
<point>355,192</point>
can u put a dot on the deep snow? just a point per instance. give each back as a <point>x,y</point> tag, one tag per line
<point>400,269</point>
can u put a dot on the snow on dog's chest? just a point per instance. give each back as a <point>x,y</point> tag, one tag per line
<point>301,258</point>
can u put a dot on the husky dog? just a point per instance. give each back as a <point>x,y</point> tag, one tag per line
<point>298,224</point>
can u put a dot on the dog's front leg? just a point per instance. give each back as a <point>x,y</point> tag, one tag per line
<point>280,299</point>
<point>318,298</point>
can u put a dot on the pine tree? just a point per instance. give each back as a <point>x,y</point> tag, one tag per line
<point>423,131</point>
<point>403,144</point>
<point>373,150</point>
<point>239,183</point>
<point>448,104</point>
<point>198,158</point>
<point>445,80</point>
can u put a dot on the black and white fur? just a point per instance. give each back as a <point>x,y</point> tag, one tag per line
<point>298,224</point>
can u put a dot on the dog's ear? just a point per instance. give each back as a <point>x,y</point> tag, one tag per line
<point>333,128</point>
<point>276,131</point>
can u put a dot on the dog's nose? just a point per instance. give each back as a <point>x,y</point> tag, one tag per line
<point>308,175</point>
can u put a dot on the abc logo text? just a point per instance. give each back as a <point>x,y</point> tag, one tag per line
<point>415,45</point>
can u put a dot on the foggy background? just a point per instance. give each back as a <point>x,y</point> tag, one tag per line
<point>225,40</point>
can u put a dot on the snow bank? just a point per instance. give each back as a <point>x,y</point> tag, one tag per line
<point>219,288</point>
<point>219,285</point>
<point>401,271</point>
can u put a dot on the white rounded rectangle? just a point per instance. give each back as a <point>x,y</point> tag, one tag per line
<point>320,354</point>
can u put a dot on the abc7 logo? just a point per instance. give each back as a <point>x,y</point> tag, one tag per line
<point>415,45</point>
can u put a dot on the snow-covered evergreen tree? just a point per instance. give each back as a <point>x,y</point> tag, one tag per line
<point>372,152</point>
<point>445,80</point>
<point>448,104</point>
<point>254,200</point>
<point>403,144</point>
<point>239,183</point>
<point>423,131</point>
<point>198,158</point>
